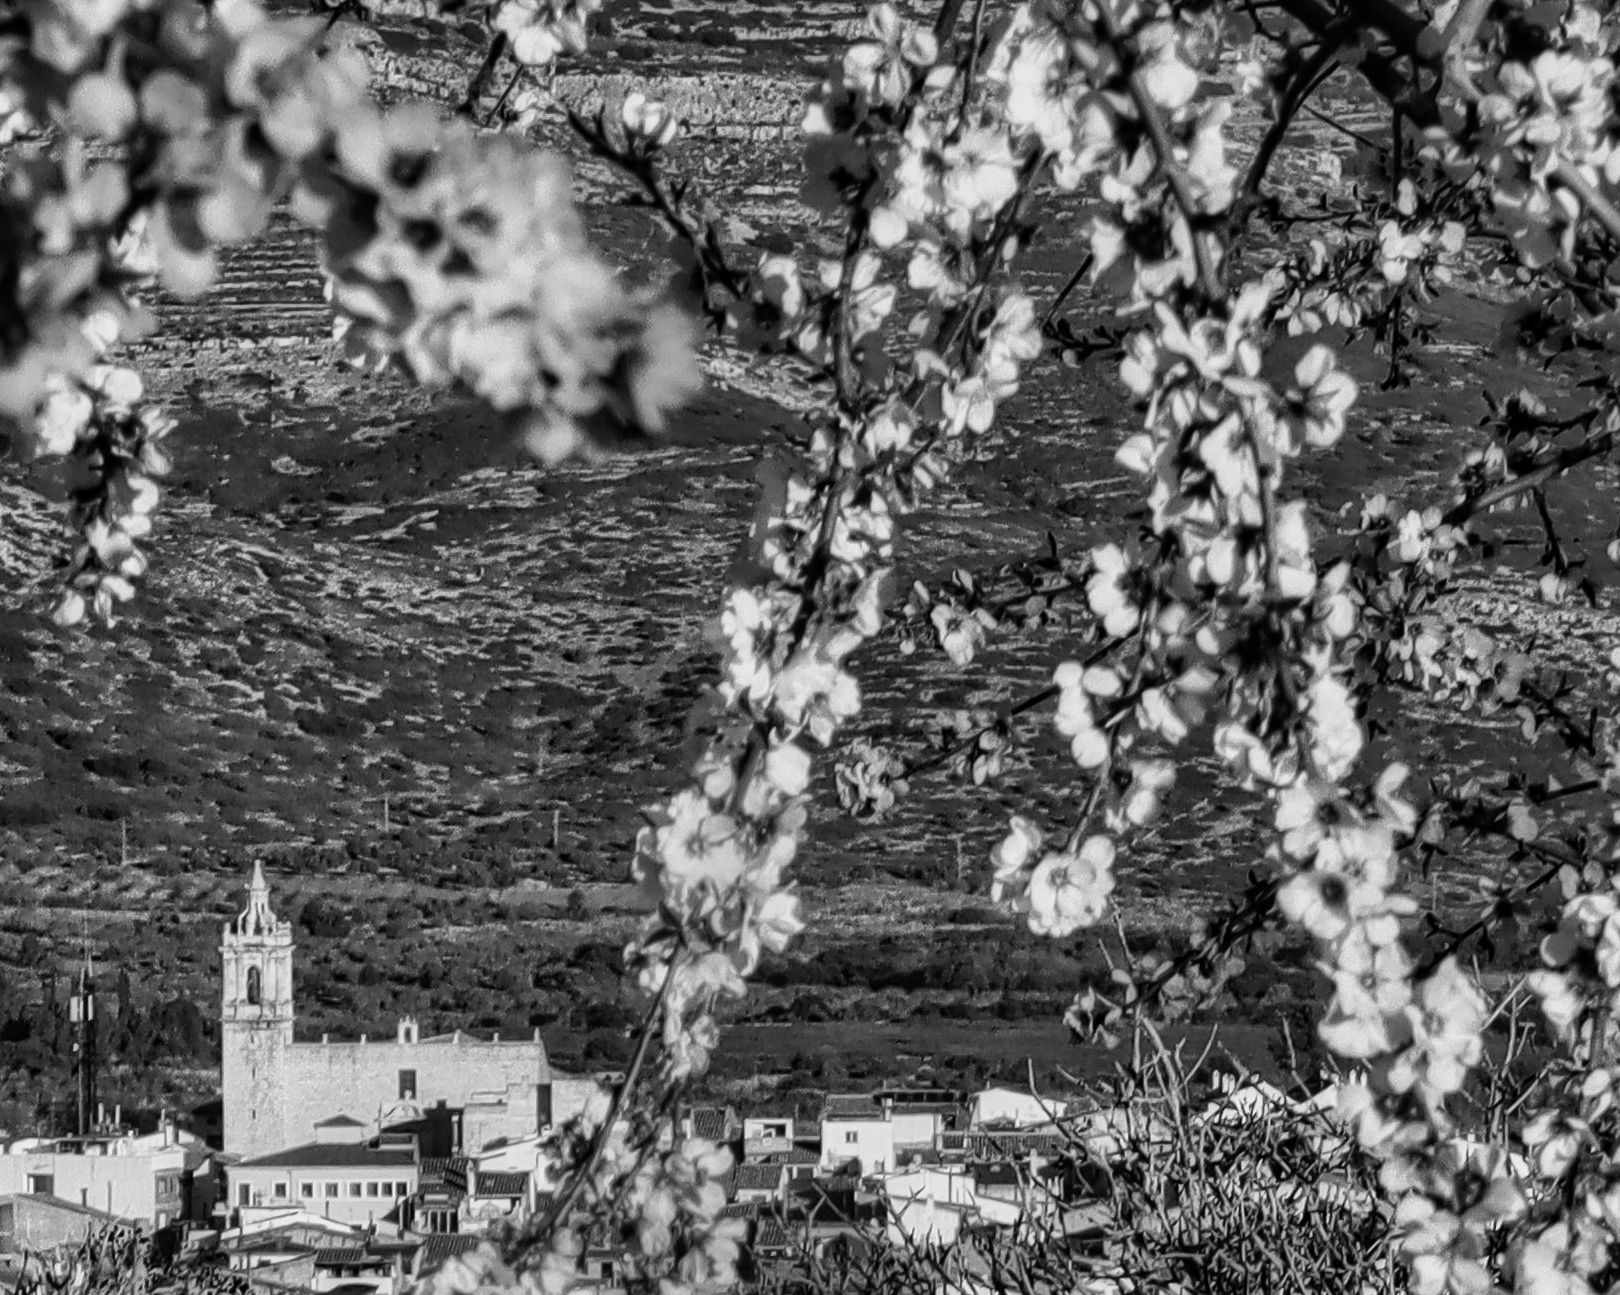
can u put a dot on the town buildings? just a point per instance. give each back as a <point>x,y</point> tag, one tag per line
<point>360,1167</point>
<point>155,1180</point>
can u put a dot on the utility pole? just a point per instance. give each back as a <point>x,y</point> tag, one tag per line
<point>82,1014</point>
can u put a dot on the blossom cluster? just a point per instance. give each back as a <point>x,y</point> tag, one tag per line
<point>714,858</point>
<point>1225,616</point>
<point>1534,114</point>
<point>455,256</point>
<point>541,31</point>
<point>460,257</point>
<point>1348,279</point>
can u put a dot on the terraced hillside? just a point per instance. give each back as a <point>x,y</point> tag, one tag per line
<point>376,637</point>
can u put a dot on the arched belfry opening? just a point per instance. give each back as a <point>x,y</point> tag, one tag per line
<point>256,954</point>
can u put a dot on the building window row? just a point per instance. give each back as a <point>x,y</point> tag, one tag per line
<point>370,1188</point>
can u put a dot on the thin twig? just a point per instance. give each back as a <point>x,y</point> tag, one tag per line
<point>1063,293</point>
<point>475,87</point>
<point>649,1031</point>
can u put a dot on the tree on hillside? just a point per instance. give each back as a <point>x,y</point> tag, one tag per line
<point>1294,647</point>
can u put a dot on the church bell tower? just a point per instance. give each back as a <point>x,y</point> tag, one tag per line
<point>256,1024</point>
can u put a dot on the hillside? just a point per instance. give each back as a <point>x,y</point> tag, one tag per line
<point>411,669</point>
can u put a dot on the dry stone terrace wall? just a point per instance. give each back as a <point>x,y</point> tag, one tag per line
<point>741,148</point>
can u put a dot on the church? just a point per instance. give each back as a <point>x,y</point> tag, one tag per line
<point>277,1090</point>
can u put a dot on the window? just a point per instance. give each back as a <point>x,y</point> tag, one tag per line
<point>255,986</point>
<point>243,1195</point>
<point>331,1190</point>
<point>852,1136</point>
<point>371,1188</point>
<point>279,1191</point>
<point>41,1184</point>
<point>407,1085</point>
<point>306,1190</point>
<point>354,1189</point>
<point>402,1189</point>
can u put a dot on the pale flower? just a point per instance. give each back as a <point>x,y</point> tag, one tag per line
<point>647,120</point>
<point>787,768</point>
<point>1012,854</point>
<point>1068,891</point>
<point>960,633</point>
<point>746,627</point>
<point>772,926</point>
<point>1335,733</point>
<point>1170,83</point>
<point>1150,779</point>
<point>1370,993</point>
<point>1040,96</point>
<point>981,178</point>
<point>882,68</point>
<point>1447,1020</point>
<point>698,844</point>
<point>1107,593</point>
<point>1397,250</point>
<point>1321,398</point>
<point>64,416</point>
<point>1299,815</point>
<point>777,282</point>
<point>1412,543</point>
<point>1330,898</point>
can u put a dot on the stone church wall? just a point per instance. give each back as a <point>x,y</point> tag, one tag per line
<point>362,1080</point>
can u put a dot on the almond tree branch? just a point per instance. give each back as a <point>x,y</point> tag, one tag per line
<point>1552,466</point>
<point>1153,123</point>
<point>1304,83</point>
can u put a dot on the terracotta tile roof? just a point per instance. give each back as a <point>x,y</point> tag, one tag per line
<point>710,1122</point>
<point>797,1156</point>
<point>981,1143</point>
<point>270,1246</point>
<point>439,1249</point>
<point>940,1109</point>
<point>759,1177</point>
<point>444,1169</point>
<point>502,1184</point>
<point>344,1256</point>
<point>770,1235</point>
